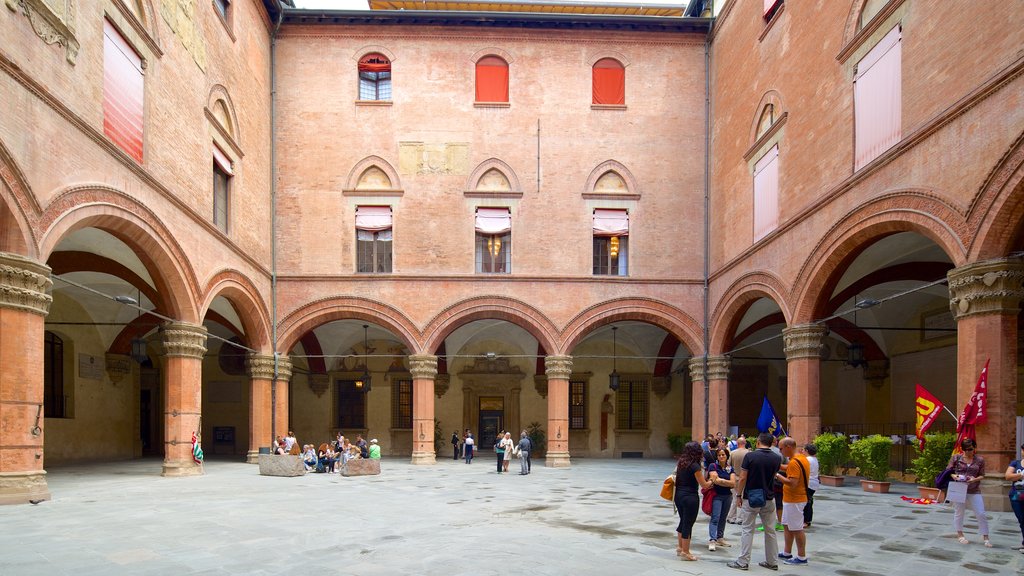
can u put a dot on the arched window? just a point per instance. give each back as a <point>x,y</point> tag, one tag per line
<point>54,400</point>
<point>374,77</point>
<point>491,79</point>
<point>766,120</point>
<point>609,82</point>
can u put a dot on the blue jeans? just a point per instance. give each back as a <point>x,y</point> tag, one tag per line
<point>1018,510</point>
<point>469,453</point>
<point>719,510</point>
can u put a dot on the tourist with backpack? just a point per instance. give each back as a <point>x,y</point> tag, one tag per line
<point>754,489</point>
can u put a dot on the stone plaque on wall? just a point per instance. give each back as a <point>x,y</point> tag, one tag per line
<point>433,158</point>
<point>90,367</point>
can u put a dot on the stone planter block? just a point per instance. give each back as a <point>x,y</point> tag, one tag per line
<point>833,481</point>
<point>872,486</point>
<point>281,465</point>
<point>361,467</point>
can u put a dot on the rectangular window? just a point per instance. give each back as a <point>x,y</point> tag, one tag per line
<point>401,404</point>
<point>491,79</point>
<point>766,194</point>
<point>577,405</point>
<point>493,241</point>
<point>631,404</point>
<point>611,242</point>
<point>770,8</point>
<point>351,405</point>
<point>877,93</point>
<point>54,400</point>
<point>609,82</point>
<point>222,173</point>
<point>373,239</point>
<point>222,6</point>
<point>374,77</point>
<point>122,92</point>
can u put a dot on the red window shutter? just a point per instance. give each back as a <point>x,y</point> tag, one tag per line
<point>491,80</point>
<point>122,92</point>
<point>766,194</point>
<point>609,82</point>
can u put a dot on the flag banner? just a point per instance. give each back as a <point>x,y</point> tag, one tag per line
<point>928,408</point>
<point>975,412</point>
<point>197,452</point>
<point>768,421</point>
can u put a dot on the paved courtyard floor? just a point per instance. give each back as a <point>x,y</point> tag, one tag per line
<point>597,517</point>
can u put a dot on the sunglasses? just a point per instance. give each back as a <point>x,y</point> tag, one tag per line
<point>968,449</point>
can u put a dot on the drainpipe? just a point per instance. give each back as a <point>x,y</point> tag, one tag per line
<point>707,224</point>
<point>273,219</point>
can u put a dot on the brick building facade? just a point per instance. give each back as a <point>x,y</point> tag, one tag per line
<point>473,220</point>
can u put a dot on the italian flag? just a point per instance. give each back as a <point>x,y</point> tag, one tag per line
<point>197,452</point>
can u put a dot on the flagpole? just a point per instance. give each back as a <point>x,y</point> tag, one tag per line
<point>950,412</point>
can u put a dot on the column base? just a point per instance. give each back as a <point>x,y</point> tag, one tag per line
<point>424,458</point>
<point>994,491</point>
<point>182,468</point>
<point>23,487</point>
<point>252,457</point>
<point>557,460</point>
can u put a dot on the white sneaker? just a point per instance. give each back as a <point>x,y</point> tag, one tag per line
<point>711,546</point>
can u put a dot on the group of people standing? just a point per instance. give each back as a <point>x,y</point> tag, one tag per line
<point>742,487</point>
<point>504,449</point>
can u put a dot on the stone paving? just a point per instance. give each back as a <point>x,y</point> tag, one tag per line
<point>597,517</point>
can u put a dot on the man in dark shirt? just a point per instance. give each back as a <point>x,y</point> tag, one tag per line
<point>757,473</point>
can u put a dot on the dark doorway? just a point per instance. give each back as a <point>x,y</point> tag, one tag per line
<point>492,421</point>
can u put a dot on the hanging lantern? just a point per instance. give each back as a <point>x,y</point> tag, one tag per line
<point>614,246</point>
<point>613,378</point>
<point>139,353</point>
<point>364,381</point>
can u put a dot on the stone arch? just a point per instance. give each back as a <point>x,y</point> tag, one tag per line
<point>602,171</point>
<point>904,211</point>
<point>603,53</point>
<point>655,312</point>
<point>19,209</point>
<point>491,51</point>
<point>997,208</point>
<point>110,210</point>
<point>770,98</point>
<point>293,326</point>
<point>734,302</point>
<point>373,174</point>
<point>482,178</point>
<point>222,111</point>
<point>490,308</point>
<point>853,23</point>
<point>250,305</point>
<point>370,49</point>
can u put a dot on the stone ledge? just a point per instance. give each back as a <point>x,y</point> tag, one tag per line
<point>281,465</point>
<point>23,487</point>
<point>361,467</point>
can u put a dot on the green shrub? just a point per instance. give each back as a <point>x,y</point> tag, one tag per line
<point>676,442</point>
<point>871,454</point>
<point>933,459</point>
<point>538,439</point>
<point>833,451</point>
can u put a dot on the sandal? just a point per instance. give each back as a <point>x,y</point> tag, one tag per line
<point>688,557</point>
<point>962,540</point>
<point>988,543</point>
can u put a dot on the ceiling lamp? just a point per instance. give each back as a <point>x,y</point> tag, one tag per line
<point>613,378</point>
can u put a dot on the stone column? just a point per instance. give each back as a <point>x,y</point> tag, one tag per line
<point>183,346</point>
<point>281,396</point>
<point>698,429</point>
<point>558,370</point>
<point>985,300</point>
<point>718,395</point>
<point>23,308</point>
<point>424,369</point>
<point>261,373</point>
<point>803,368</point>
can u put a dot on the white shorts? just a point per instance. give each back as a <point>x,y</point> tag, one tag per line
<point>793,515</point>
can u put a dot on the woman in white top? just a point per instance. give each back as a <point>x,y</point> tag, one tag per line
<point>508,445</point>
<point>469,447</point>
<point>813,482</point>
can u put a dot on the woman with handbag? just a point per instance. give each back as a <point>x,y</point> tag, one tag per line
<point>720,473</point>
<point>1015,474</point>
<point>508,445</point>
<point>969,468</point>
<point>689,480</point>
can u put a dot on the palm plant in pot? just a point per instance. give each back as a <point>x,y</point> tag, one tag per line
<point>931,461</point>
<point>833,451</point>
<point>871,454</point>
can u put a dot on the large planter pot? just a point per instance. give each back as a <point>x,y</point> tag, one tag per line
<point>933,494</point>
<point>873,486</point>
<point>831,480</point>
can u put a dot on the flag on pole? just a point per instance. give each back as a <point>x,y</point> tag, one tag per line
<point>928,408</point>
<point>768,421</point>
<point>976,410</point>
<point>197,452</point>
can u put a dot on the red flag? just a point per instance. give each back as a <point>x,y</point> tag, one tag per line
<point>928,408</point>
<point>976,410</point>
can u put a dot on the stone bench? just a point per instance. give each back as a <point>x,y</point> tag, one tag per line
<point>281,465</point>
<point>361,467</point>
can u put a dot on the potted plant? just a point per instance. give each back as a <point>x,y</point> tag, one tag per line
<point>833,451</point>
<point>676,442</point>
<point>538,439</point>
<point>931,461</point>
<point>871,454</point>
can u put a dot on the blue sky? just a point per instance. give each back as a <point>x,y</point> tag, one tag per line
<point>362,5</point>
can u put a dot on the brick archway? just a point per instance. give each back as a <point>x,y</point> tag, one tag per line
<point>137,226</point>
<point>908,211</point>
<point>18,209</point>
<point>997,212</point>
<point>735,301</point>
<point>250,305</point>
<point>654,312</point>
<point>490,308</point>
<point>300,321</point>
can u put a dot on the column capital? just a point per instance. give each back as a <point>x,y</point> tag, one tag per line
<point>718,368</point>
<point>183,340</point>
<point>23,284</point>
<point>558,367</point>
<point>989,287</point>
<point>423,366</point>
<point>803,341</point>
<point>260,366</point>
<point>284,368</point>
